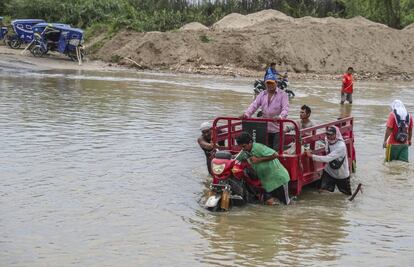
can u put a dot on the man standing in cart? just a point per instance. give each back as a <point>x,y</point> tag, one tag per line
<point>274,104</point>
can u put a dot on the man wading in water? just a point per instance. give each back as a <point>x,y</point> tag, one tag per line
<point>204,141</point>
<point>347,86</point>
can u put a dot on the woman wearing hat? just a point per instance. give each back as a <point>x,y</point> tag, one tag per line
<point>336,172</point>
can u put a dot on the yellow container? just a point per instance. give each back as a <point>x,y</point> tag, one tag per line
<point>225,200</point>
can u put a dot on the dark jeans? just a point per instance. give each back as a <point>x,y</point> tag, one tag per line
<point>328,183</point>
<point>273,141</point>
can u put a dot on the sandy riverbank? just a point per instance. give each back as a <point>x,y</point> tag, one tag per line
<point>243,45</point>
<point>16,59</point>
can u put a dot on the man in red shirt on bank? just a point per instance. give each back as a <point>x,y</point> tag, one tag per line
<point>347,86</point>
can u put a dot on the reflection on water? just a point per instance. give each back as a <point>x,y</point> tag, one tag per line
<point>103,169</point>
<point>345,111</point>
<point>259,235</point>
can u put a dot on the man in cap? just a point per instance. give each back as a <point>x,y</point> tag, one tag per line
<point>206,144</point>
<point>336,172</point>
<point>274,104</point>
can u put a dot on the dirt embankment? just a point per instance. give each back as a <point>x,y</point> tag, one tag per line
<point>243,45</point>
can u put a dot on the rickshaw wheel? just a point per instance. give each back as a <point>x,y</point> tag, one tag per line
<point>37,51</point>
<point>15,43</point>
<point>73,57</point>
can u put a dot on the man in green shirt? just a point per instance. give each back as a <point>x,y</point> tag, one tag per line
<point>272,174</point>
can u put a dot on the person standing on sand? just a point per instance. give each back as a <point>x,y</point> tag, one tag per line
<point>347,86</point>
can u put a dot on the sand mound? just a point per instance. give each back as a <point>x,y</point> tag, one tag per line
<point>311,20</point>
<point>358,20</point>
<point>326,45</point>
<point>193,26</point>
<point>409,27</point>
<point>232,21</point>
<point>238,21</point>
<point>269,14</point>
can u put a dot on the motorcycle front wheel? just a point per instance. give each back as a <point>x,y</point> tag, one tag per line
<point>291,94</point>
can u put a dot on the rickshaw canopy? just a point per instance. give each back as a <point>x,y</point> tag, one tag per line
<point>24,28</point>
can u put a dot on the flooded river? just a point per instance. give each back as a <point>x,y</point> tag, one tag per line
<point>103,169</point>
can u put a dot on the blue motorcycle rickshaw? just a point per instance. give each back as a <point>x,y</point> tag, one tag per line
<point>57,37</point>
<point>23,32</point>
<point>3,30</point>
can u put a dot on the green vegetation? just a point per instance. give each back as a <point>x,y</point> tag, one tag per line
<point>163,15</point>
<point>394,13</point>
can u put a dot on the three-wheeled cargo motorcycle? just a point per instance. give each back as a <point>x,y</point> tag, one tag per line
<point>235,183</point>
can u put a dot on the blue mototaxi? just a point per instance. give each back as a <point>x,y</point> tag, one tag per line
<point>23,32</point>
<point>57,37</point>
<point>3,29</point>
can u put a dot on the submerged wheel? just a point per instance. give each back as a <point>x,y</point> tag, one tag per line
<point>215,209</point>
<point>15,43</point>
<point>74,57</point>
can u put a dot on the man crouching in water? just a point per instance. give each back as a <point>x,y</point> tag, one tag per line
<point>206,144</point>
<point>336,172</point>
<point>272,174</point>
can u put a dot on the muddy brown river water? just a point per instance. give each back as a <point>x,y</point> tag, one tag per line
<point>103,169</point>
